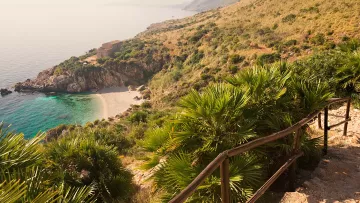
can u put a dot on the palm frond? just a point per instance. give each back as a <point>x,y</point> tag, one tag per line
<point>12,191</point>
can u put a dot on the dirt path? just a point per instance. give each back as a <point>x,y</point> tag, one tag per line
<point>337,178</point>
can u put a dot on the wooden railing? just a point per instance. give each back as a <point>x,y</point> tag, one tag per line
<point>222,160</point>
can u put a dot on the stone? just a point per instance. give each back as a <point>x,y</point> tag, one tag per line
<point>137,98</point>
<point>5,92</point>
<point>132,88</point>
<point>85,176</point>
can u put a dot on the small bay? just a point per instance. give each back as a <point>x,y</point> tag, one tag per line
<point>38,36</point>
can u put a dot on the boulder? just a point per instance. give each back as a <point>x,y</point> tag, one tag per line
<point>132,88</point>
<point>5,92</point>
<point>17,87</point>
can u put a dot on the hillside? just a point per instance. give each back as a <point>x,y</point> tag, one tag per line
<point>218,43</point>
<point>204,5</point>
<point>193,52</point>
<point>213,81</point>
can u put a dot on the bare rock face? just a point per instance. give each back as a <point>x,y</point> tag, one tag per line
<point>4,92</point>
<point>112,75</point>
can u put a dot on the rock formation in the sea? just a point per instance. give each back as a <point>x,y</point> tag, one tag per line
<point>4,92</point>
<point>115,66</point>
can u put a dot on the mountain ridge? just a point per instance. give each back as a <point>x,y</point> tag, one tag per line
<point>204,5</point>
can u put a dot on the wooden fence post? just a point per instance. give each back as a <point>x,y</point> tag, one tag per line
<point>225,181</point>
<point>347,116</point>
<point>319,121</point>
<point>296,149</point>
<point>326,129</point>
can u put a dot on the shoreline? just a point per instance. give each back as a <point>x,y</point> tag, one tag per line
<point>116,100</point>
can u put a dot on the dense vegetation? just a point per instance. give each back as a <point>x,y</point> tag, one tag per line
<point>81,167</point>
<point>83,162</point>
<point>222,78</point>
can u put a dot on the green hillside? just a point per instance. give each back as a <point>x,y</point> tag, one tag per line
<point>216,80</point>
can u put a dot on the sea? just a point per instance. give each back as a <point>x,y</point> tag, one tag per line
<point>36,35</point>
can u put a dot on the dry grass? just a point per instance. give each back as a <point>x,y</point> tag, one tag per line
<point>248,28</point>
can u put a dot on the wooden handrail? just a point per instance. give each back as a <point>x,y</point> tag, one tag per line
<point>200,178</point>
<point>264,140</point>
<point>273,178</point>
<point>222,159</point>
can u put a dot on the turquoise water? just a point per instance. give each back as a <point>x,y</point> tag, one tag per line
<point>38,34</point>
<point>34,113</point>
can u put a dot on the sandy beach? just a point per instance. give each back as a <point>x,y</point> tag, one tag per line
<point>116,100</point>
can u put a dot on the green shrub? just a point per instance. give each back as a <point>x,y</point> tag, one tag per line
<point>138,117</point>
<point>290,43</point>
<point>331,32</point>
<point>176,75</point>
<point>275,26</point>
<point>233,69</point>
<point>154,161</point>
<point>264,31</point>
<point>235,59</point>
<point>289,18</point>
<point>345,38</point>
<point>196,57</point>
<point>96,122</point>
<point>313,9</point>
<point>110,137</point>
<point>295,49</point>
<point>156,138</point>
<point>103,60</point>
<point>330,45</point>
<point>318,39</point>
<point>350,46</point>
<point>80,160</point>
<point>205,76</point>
<point>268,58</point>
<point>138,131</point>
<point>198,35</point>
<point>146,105</point>
<point>58,71</point>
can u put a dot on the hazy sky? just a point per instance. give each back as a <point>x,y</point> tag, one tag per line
<point>82,2</point>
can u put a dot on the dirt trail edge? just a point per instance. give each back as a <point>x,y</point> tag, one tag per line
<point>337,178</point>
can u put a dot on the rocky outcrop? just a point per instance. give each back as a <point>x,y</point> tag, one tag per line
<point>4,92</point>
<point>108,49</point>
<point>110,75</point>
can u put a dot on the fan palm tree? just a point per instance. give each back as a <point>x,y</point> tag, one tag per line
<point>257,102</point>
<point>22,177</point>
<point>179,171</point>
<point>349,74</point>
<point>212,121</point>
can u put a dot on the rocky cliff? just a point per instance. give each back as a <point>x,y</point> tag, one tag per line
<point>132,64</point>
